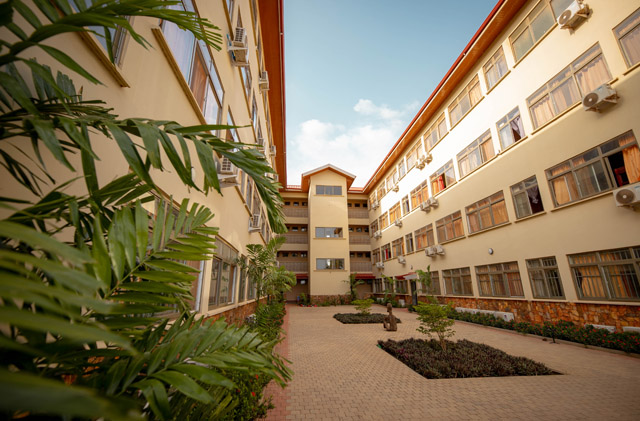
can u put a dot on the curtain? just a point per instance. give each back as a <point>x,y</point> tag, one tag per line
<point>631,158</point>
<point>474,222</point>
<point>564,189</point>
<point>631,46</point>
<point>623,281</point>
<point>475,94</point>
<point>485,285</point>
<point>515,284</point>
<point>565,95</point>
<point>593,75</point>
<point>199,80</point>
<point>542,111</point>
<point>499,211</point>
<point>487,150</point>
<point>589,282</point>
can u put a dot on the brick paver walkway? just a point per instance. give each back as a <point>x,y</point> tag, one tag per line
<point>340,374</point>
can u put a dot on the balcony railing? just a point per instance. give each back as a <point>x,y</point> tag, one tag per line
<point>296,238</point>
<point>296,211</point>
<point>359,265</point>
<point>362,213</point>
<point>296,265</point>
<point>359,238</point>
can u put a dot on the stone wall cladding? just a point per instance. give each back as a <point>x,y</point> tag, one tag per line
<point>236,315</point>
<point>543,311</point>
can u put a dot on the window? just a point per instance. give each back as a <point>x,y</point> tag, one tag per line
<point>434,288</point>
<point>495,69</point>
<point>392,180</point>
<point>419,195</point>
<point>568,87</point>
<point>450,227</point>
<point>415,154</point>
<point>242,283</point>
<point>408,241</point>
<point>435,133</point>
<point>394,212</point>
<point>386,251</point>
<point>246,80</point>
<point>328,232</point>
<point>465,101</point>
<point>424,237</point>
<point>628,35</point>
<point>457,281</point>
<point>373,227</point>
<point>372,199</point>
<point>607,275</point>
<point>232,134</point>
<point>384,221</point>
<point>229,4</point>
<point>375,256</point>
<point>329,190</point>
<point>254,115</point>
<point>499,280</point>
<point>510,128</point>
<point>401,169</point>
<point>223,273</point>
<point>397,248</point>
<point>532,29</point>
<point>329,264</point>
<point>382,190</point>
<point>476,154</point>
<point>406,208</point>
<point>614,163</point>
<point>442,178</point>
<point>545,278</point>
<point>486,213</point>
<point>526,197</point>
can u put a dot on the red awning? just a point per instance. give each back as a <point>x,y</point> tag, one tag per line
<point>302,276</point>
<point>410,275</point>
<point>365,276</point>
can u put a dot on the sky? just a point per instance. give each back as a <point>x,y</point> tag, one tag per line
<point>357,71</point>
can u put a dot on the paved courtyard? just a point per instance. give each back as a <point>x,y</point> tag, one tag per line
<point>340,374</point>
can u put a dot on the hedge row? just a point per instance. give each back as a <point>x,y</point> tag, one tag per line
<point>588,335</point>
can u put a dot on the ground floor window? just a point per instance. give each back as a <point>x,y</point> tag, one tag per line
<point>458,281</point>
<point>499,280</point>
<point>223,276</point>
<point>434,288</point>
<point>329,264</point>
<point>545,278</point>
<point>608,274</point>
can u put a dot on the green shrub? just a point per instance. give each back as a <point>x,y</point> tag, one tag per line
<point>268,320</point>
<point>587,335</point>
<point>363,306</point>
<point>434,322</point>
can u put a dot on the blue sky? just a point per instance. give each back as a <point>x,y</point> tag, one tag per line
<point>357,71</point>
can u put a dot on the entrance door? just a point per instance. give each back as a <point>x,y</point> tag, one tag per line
<point>414,293</point>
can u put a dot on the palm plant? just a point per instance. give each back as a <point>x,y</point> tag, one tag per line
<point>86,279</point>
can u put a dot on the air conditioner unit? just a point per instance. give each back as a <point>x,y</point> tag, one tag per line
<point>430,251</point>
<point>601,97</point>
<point>227,173</point>
<point>420,165</point>
<point>263,81</point>
<point>439,250</point>
<point>272,150</point>
<point>628,195</point>
<point>395,187</point>
<point>573,15</point>
<point>397,223</point>
<point>239,48</point>
<point>377,234</point>
<point>425,206</point>
<point>432,201</point>
<point>375,204</point>
<point>429,158</point>
<point>402,260</point>
<point>255,222</point>
<point>260,140</point>
<point>380,265</point>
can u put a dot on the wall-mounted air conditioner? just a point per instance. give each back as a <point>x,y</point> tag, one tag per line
<point>272,150</point>
<point>422,162</point>
<point>395,187</point>
<point>375,204</point>
<point>255,222</point>
<point>263,81</point>
<point>239,48</point>
<point>573,15</point>
<point>397,223</point>
<point>227,173</point>
<point>377,234</point>
<point>601,97</point>
<point>430,251</point>
<point>628,195</point>
<point>380,265</point>
<point>439,250</point>
<point>432,201</point>
<point>402,260</point>
<point>425,206</point>
<point>428,158</point>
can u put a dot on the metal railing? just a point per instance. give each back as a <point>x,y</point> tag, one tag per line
<point>295,265</point>
<point>295,211</point>
<point>362,213</point>
<point>296,238</point>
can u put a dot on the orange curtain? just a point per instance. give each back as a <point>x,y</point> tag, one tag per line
<point>632,163</point>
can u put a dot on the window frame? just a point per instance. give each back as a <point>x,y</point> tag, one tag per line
<point>328,190</point>
<point>476,145</point>
<point>523,189</point>
<point>333,263</point>
<point>505,122</point>
<point>435,134</point>
<point>481,206</point>
<point>497,274</point>
<point>338,231</point>
<point>546,280</point>
<point>465,93</point>
<point>636,27</point>
<point>442,225</point>
<point>520,29</point>
<point>420,194</point>
<point>397,247</point>
<point>493,62</point>
<point>464,275</point>
<point>442,173</point>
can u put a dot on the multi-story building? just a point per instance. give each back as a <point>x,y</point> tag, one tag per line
<point>184,80</point>
<point>518,181</point>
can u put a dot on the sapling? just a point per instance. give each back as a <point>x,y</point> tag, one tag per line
<point>434,322</point>
<point>363,306</point>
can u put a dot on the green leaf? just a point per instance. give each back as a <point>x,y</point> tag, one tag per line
<point>185,385</point>
<point>67,61</point>
<point>47,134</point>
<point>142,230</point>
<point>205,375</point>
<point>156,395</point>
<point>129,152</point>
<point>100,253</point>
<point>27,392</point>
<point>150,136</point>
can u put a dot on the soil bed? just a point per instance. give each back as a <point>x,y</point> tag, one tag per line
<point>357,318</point>
<point>461,359</point>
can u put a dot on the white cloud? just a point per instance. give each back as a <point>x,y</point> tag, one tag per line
<point>357,149</point>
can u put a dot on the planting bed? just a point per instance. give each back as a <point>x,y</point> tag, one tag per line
<point>461,359</point>
<point>357,318</point>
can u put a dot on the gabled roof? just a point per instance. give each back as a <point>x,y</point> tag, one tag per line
<point>307,175</point>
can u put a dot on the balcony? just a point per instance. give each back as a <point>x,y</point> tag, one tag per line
<point>296,238</point>
<point>355,238</point>
<point>295,265</point>
<point>360,265</point>
<point>362,213</point>
<point>295,211</point>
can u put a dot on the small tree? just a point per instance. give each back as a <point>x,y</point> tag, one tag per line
<point>353,284</point>
<point>363,306</point>
<point>425,280</point>
<point>434,322</point>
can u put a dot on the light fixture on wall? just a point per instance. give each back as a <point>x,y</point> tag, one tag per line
<point>490,250</point>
